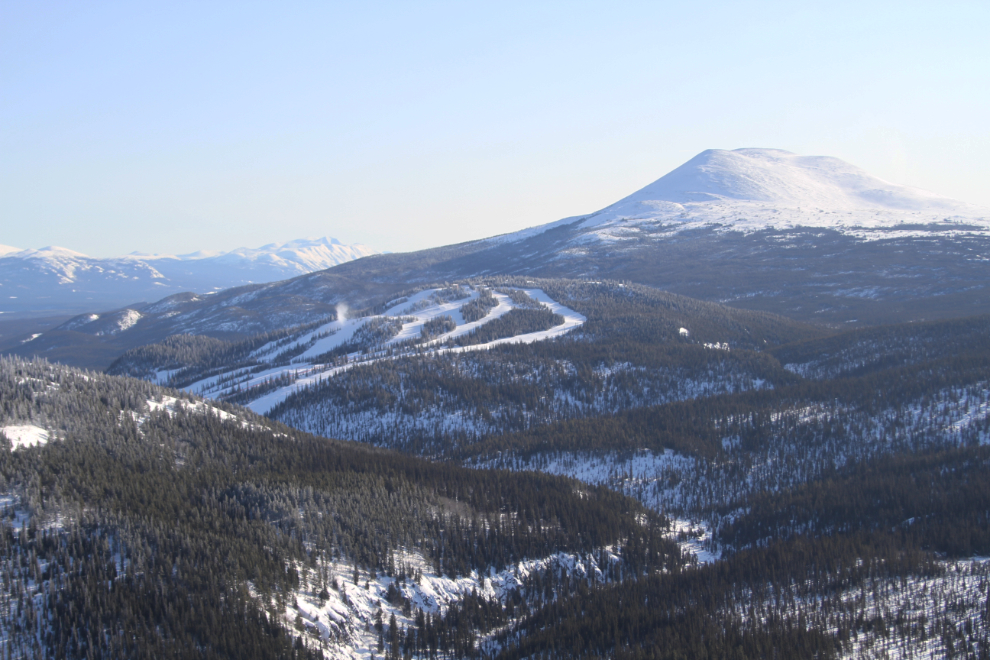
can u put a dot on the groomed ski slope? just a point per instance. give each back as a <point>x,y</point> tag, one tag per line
<point>307,369</point>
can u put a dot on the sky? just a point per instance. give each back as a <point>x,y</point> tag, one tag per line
<point>171,127</point>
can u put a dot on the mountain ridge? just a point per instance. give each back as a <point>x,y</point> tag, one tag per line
<point>753,189</point>
<point>54,279</point>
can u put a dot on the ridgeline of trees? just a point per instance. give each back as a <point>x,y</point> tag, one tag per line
<point>478,308</point>
<point>512,323</point>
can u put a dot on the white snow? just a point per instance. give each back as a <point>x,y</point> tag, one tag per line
<point>80,321</point>
<point>693,538</point>
<point>128,319</point>
<point>25,435</point>
<point>754,189</point>
<point>653,478</point>
<point>413,313</point>
<point>954,591</point>
<point>342,626</point>
<point>57,274</point>
<point>124,321</point>
<point>304,255</point>
<point>344,331</point>
<point>960,592</point>
<point>171,405</point>
<point>718,346</point>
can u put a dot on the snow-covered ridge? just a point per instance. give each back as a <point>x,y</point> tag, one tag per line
<point>171,405</point>
<point>57,278</point>
<point>305,255</point>
<point>780,177</point>
<point>754,189</point>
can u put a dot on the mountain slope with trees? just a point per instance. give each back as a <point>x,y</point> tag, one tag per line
<point>150,522</point>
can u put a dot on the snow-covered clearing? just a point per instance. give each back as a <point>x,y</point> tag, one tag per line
<point>651,477</point>
<point>344,623</point>
<point>170,405</point>
<point>127,319</point>
<point>694,538</point>
<point>25,435</point>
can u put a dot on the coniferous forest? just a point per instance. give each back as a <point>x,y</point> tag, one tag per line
<point>667,478</point>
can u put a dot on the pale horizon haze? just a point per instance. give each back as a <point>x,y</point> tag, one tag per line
<point>176,127</point>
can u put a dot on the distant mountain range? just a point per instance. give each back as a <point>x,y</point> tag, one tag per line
<point>54,280</point>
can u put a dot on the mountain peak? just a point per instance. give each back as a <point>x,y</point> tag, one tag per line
<point>781,177</point>
<point>51,252</point>
<point>751,189</point>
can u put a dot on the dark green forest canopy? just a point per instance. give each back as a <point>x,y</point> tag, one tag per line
<point>697,427</point>
<point>202,506</point>
<point>883,522</point>
<point>242,499</point>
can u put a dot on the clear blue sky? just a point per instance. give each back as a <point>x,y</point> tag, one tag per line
<point>171,127</point>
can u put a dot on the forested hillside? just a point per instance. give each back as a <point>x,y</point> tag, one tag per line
<point>827,491</point>
<point>847,516</point>
<point>142,522</point>
<point>636,347</point>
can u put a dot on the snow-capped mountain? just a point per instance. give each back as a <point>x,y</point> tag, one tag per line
<point>293,258</point>
<point>756,189</point>
<point>811,237</point>
<point>57,280</point>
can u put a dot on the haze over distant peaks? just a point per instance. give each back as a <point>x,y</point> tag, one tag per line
<point>306,254</point>
<point>55,279</point>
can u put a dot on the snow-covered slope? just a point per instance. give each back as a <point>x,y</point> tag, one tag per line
<point>338,346</point>
<point>781,177</point>
<point>754,189</point>
<point>57,280</point>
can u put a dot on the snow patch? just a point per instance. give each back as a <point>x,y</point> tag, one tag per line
<point>343,624</point>
<point>25,435</point>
